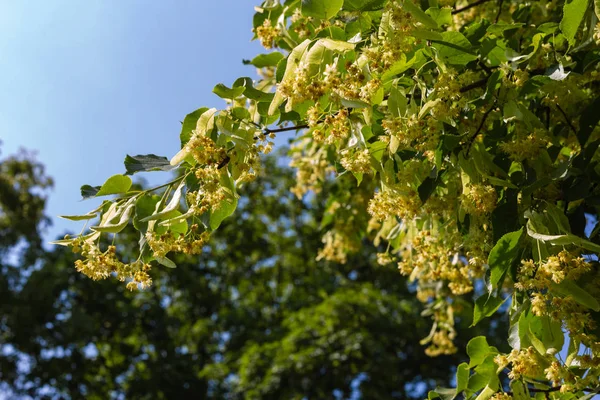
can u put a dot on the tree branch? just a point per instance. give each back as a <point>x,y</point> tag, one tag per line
<point>553,389</point>
<point>474,85</point>
<point>472,139</point>
<point>499,11</point>
<point>285,129</point>
<point>468,6</point>
<point>568,121</point>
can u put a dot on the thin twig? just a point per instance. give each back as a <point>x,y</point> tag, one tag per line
<point>472,139</point>
<point>566,118</point>
<point>474,85</point>
<point>485,67</point>
<point>552,389</point>
<point>499,11</point>
<point>285,129</point>
<point>468,6</point>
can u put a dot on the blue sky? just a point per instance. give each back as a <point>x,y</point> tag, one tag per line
<point>85,82</point>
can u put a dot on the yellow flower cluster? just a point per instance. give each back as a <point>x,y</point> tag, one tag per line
<point>103,264</point>
<point>303,86</point>
<point>412,132</point>
<point>210,195</point>
<point>449,101</point>
<point>524,145</point>
<point>441,338</point>
<point>337,245</point>
<point>267,34</point>
<point>205,151</point>
<point>501,396</point>
<point>555,269</point>
<point>311,166</point>
<point>390,203</point>
<point>527,362</point>
<point>358,161</point>
<point>479,200</point>
<point>540,280</point>
<point>442,343</point>
<point>167,242</point>
<point>334,128</point>
<point>432,258</point>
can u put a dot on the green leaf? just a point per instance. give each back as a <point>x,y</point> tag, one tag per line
<point>552,334</point>
<point>189,124</point>
<point>203,123</point>
<point>485,306</point>
<point>166,262</point>
<point>588,121</point>
<point>171,206</point>
<point>226,93</point>
<point>455,48</point>
<point>485,373</point>
<point>322,9</point>
<point>267,60</point>
<point>558,240</point>
<point>597,8</point>
<point>176,222</point>
<point>145,206</point>
<point>441,16</point>
<point>535,341</point>
<point>462,377</point>
<point>123,213</point>
<point>116,184</point>
<point>79,217</point>
<point>518,390</point>
<point>398,67</point>
<point>502,256</point>
<point>88,191</point>
<point>92,236</point>
<point>477,350</point>
<point>442,393</point>
<point>397,102</point>
<point>227,206</point>
<point>291,64</point>
<point>573,15</point>
<point>376,149</point>
<point>499,28</point>
<point>427,187</point>
<point>250,92</point>
<point>581,296</point>
<point>486,393</point>
<point>420,15</point>
<point>148,162</point>
<point>363,5</point>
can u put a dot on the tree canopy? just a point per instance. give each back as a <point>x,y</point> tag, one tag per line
<point>466,135</point>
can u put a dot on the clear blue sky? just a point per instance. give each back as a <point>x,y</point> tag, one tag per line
<point>85,82</point>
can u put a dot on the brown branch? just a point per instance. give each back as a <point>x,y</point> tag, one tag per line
<point>566,118</point>
<point>499,11</point>
<point>553,389</point>
<point>472,139</point>
<point>474,85</point>
<point>285,129</point>
<point>468,6</point>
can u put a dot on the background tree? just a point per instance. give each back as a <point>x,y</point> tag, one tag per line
<point>254,316</point>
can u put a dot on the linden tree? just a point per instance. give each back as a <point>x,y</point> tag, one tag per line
<point>465,134</point>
